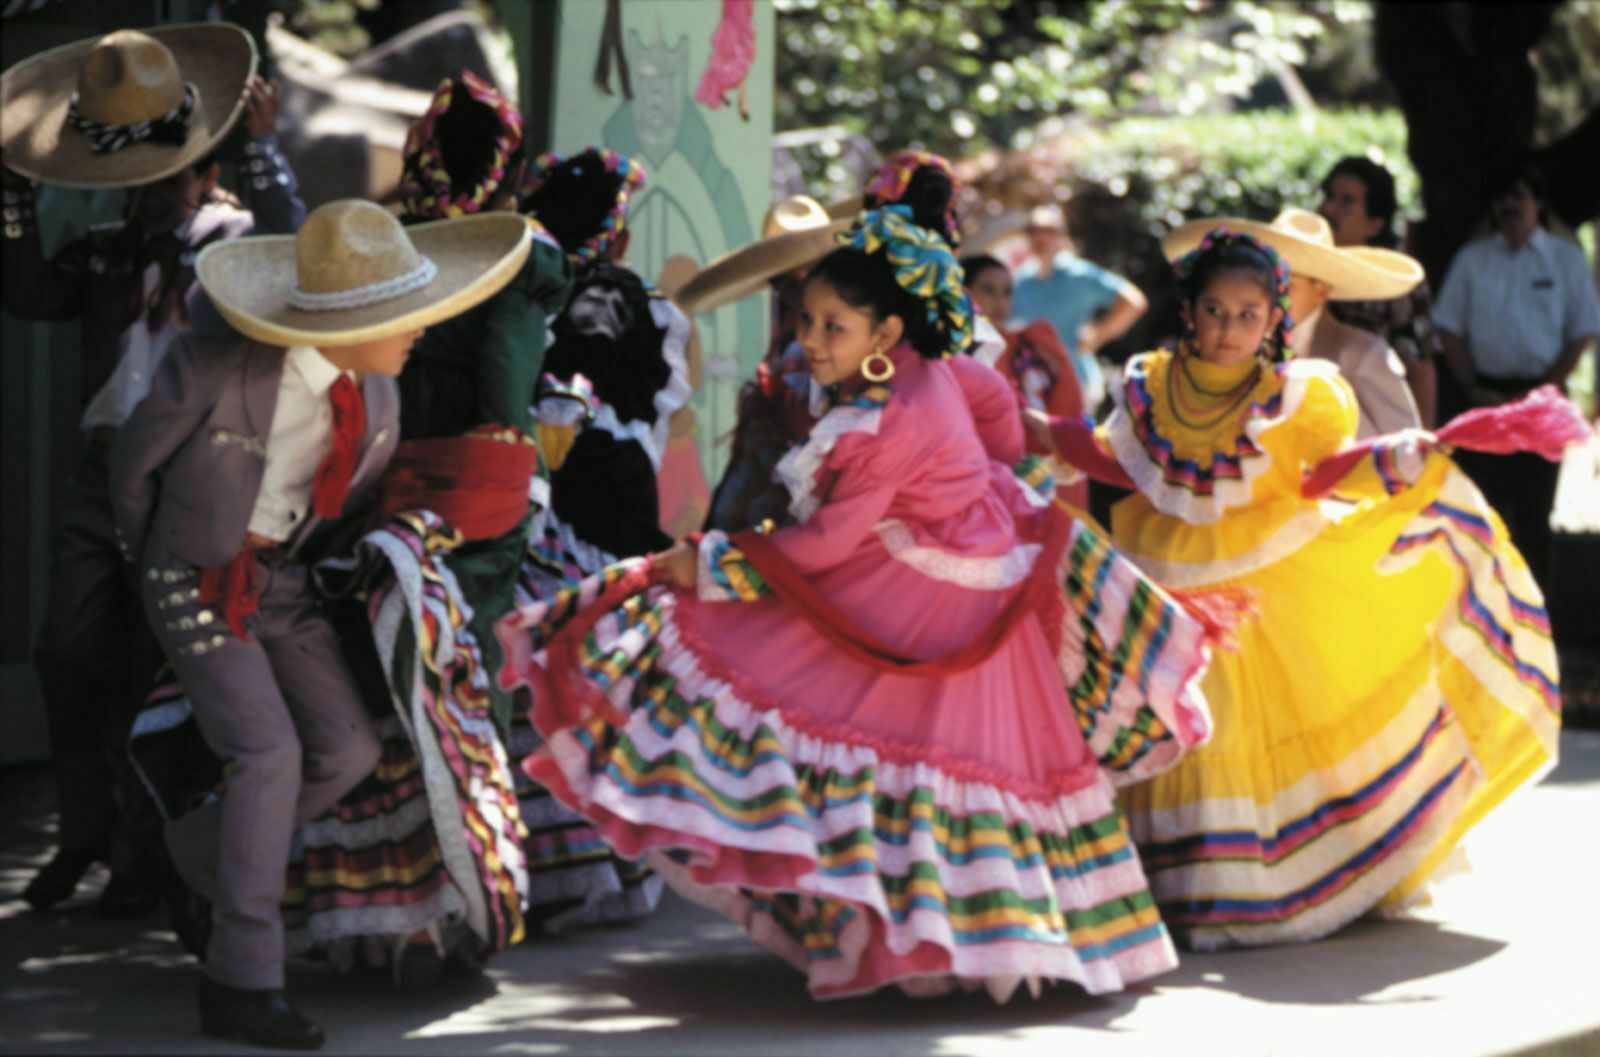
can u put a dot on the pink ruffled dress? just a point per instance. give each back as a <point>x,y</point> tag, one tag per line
<point>869,826</point>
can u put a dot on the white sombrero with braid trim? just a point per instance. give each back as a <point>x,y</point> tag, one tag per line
<point>354,274</point>
<point>1305,242</point>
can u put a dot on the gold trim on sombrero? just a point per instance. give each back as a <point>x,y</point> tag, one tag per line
<point>353,250</point>
<point>1305,241</point>
<point>798,233</point>
<point>125,78</point>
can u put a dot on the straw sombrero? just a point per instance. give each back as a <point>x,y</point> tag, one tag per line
<point>796,232</point>
<point>353,274</point>
<point>131,99</point>
<point>1305,242</point>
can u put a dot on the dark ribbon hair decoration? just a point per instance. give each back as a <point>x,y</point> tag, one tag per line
<point>171,128</point>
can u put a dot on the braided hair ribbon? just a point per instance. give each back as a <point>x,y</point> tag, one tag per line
<point>425,186</point>
<point>1218,239</point>
<point>923,266</point>
<point>171,128</point>
<point>888,183</point>
<point>633,178</point>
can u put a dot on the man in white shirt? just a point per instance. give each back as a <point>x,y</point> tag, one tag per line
<point>1517,310</point>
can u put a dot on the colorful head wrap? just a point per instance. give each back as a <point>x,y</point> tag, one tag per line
<point>616,221</point>
<point>425,187</point>
<point>923,266</point>
<point>1220,238</point>
<point>888,185</point>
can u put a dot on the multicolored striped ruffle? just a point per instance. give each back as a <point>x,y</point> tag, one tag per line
<point>1452,734</point>
<point>420,628</point>
<point>831,853</point>
<point>1131,657</point>
<point>1318,854</point>
<point>726,575</point>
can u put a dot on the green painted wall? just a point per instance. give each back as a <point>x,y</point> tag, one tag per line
<point>710,171</point>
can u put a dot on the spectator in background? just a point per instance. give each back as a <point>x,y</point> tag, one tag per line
<point>1358,201</point>
<point>1087,305</point>
<point>1517,310</point>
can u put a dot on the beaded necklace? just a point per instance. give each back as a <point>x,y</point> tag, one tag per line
<point>1232,398</point>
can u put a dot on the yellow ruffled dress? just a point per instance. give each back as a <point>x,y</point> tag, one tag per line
<point>1397,682</point>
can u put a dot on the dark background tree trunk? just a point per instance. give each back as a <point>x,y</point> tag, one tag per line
<point>1470,95</point>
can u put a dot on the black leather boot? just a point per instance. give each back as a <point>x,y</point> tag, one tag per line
<point>59,878</point>
<point>260,1018</point>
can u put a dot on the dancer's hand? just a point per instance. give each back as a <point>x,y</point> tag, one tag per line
<point>1037,425</point>
<point>679,565</point>
<point>261,107</point>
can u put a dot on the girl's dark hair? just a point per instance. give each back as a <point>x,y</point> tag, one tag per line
<point>977,264</point>
<point>573,198</point>
<point>467,133</point>
<point>928,194</point>
<point>1379,184</point>
<point>1233,257</point>
<point>866,281</point>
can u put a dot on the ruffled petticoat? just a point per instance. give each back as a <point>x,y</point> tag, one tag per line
<point>761,772</point>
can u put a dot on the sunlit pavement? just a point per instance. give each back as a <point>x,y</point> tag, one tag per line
<point>1502,964</point>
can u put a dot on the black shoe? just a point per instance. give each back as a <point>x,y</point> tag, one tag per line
<point>418,968</point>
<point>127,896</point>
<point>260,1018</point>
<point>59,878</point>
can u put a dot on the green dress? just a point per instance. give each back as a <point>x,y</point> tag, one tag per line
<point>481,368</point>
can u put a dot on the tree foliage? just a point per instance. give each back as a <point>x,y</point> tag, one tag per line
<point>960,75</point>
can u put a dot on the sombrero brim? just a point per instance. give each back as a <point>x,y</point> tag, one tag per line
<point>735,276</point>
<point>250,279</point>
<point>219,58</point>
<point>1355,273</point>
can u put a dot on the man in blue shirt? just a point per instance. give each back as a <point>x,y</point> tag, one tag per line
<point>1517,310</point>
<point>1087,305</point>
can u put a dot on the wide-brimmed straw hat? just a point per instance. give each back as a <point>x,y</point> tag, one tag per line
<point>354,274</point>
<point>797,232</point>
<point>127,94</point>
<point>1305,242</point>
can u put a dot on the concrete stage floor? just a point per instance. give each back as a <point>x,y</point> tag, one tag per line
<point>1502,964</point>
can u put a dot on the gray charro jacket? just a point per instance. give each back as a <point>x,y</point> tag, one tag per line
<point>187,465</point>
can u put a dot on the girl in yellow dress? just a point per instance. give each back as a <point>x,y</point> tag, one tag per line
<point>1394,677</point>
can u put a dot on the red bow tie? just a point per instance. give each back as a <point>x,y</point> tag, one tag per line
<point>332,483</point>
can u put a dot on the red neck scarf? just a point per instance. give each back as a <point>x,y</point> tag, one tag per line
<point>332,483</point>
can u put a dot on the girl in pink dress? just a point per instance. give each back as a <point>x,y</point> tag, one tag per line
<point>884,739</point>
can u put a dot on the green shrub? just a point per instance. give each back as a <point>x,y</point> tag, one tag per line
<point>1248,164</point>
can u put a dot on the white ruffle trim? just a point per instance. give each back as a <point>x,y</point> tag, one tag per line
<point>993,573</point>
<point>797,471</point>
<point>669,398</point>
<point>1183,504</point>
<point>1293,534</point>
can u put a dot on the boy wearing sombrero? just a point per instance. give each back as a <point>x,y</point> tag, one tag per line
<point>1321,271</point>
<point>250,460</point>
<point>144,111</point>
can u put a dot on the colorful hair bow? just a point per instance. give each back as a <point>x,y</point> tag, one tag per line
<point>633,177</point>
<point>425,186</point>
<point>1219,239</point>
<point>887,185</point>
<point>923,266</point>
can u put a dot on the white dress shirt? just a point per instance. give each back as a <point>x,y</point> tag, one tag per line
<point>1516,308</point>
<point>302,435</point>
<point>141,353</point>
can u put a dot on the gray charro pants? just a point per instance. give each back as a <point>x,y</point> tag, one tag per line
<point>283,714</point>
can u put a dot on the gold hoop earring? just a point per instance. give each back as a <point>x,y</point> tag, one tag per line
<point>877,367</point>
